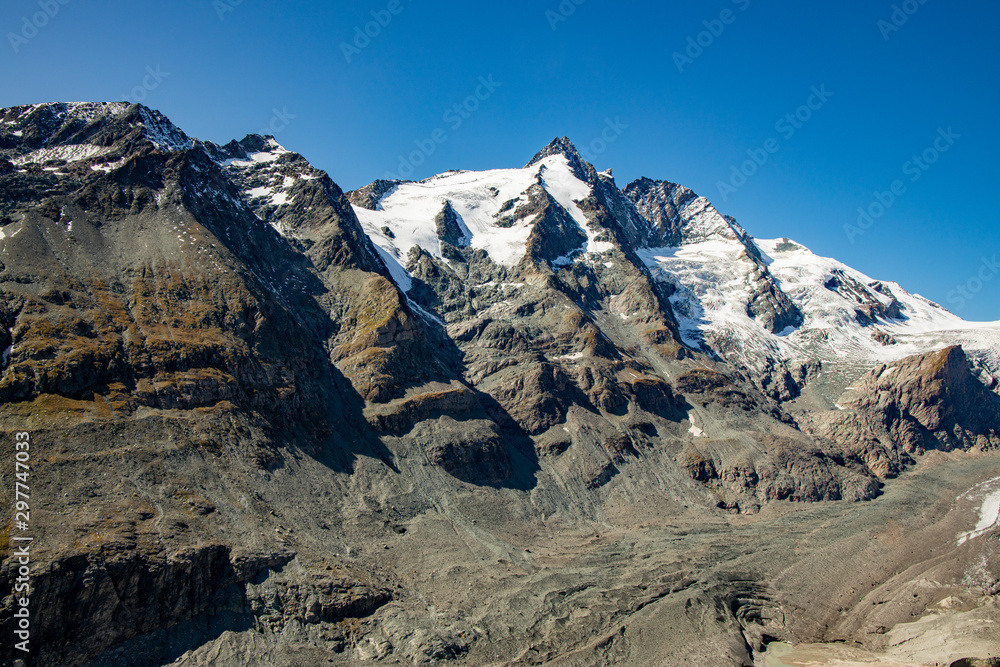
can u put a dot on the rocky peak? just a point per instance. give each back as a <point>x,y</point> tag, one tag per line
<point>41,130</point>
<point>679,216</point>
<point>450,228</point>
<point>937,389</point>
<point>661,203</point>
<point>370,196</point>
<point>563,146</point>
<point>242,150</point>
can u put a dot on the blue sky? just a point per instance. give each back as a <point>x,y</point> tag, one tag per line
<point>225,68</point>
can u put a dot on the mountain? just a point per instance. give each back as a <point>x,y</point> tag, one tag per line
<point>513,416</point>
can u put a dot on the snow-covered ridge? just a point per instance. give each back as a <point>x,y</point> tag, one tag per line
<point>91,111</point>
<point>804,276</point>
<point>405,215</point>
<point>558,179</point>
<point>713,282</point>
<point>721,276</point>
<point>87,112</point>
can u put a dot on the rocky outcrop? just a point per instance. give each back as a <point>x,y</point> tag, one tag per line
<point>555,236</point>
<point>900,410</point>
<point>769,305</point>
<point>370,195</point>
<point>108,597</point>
<point>661,203</point>
<point>784,468</point>
<point>875,303</point>
<point>450,227</point>
<point>678,216</point>
<point>472,451</point>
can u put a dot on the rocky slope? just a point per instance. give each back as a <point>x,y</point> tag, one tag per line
<point>513,416</point>
<point>902,409</point>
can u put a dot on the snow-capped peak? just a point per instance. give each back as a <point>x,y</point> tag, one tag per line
<point>564,147</point>
<point>253,149</point>
<point>494,208</point>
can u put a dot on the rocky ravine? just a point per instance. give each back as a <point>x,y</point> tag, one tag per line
<point>458,420</point>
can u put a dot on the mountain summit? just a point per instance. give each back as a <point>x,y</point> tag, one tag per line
<point>564,147</point>
<point>516,414</point>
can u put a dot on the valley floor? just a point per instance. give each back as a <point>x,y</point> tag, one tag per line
<point>883,583</point>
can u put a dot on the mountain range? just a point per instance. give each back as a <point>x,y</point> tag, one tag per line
<point>519,416</point>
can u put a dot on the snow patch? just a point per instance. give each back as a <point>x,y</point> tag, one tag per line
<point>263,191</point>
<point>256,158</point>
<point>110,166</point>
<point>400,276</point>
<point>558,179</point>
<point>72,153</point>
<point>989,512</point>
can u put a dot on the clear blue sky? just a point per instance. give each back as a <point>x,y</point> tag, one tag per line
<point>223,77</point>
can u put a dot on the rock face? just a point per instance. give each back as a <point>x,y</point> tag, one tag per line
<point>370,195</point>
<point>274,423</point>
<point>930,401</point>
<point>870,308</point>
<point>679,217</point>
